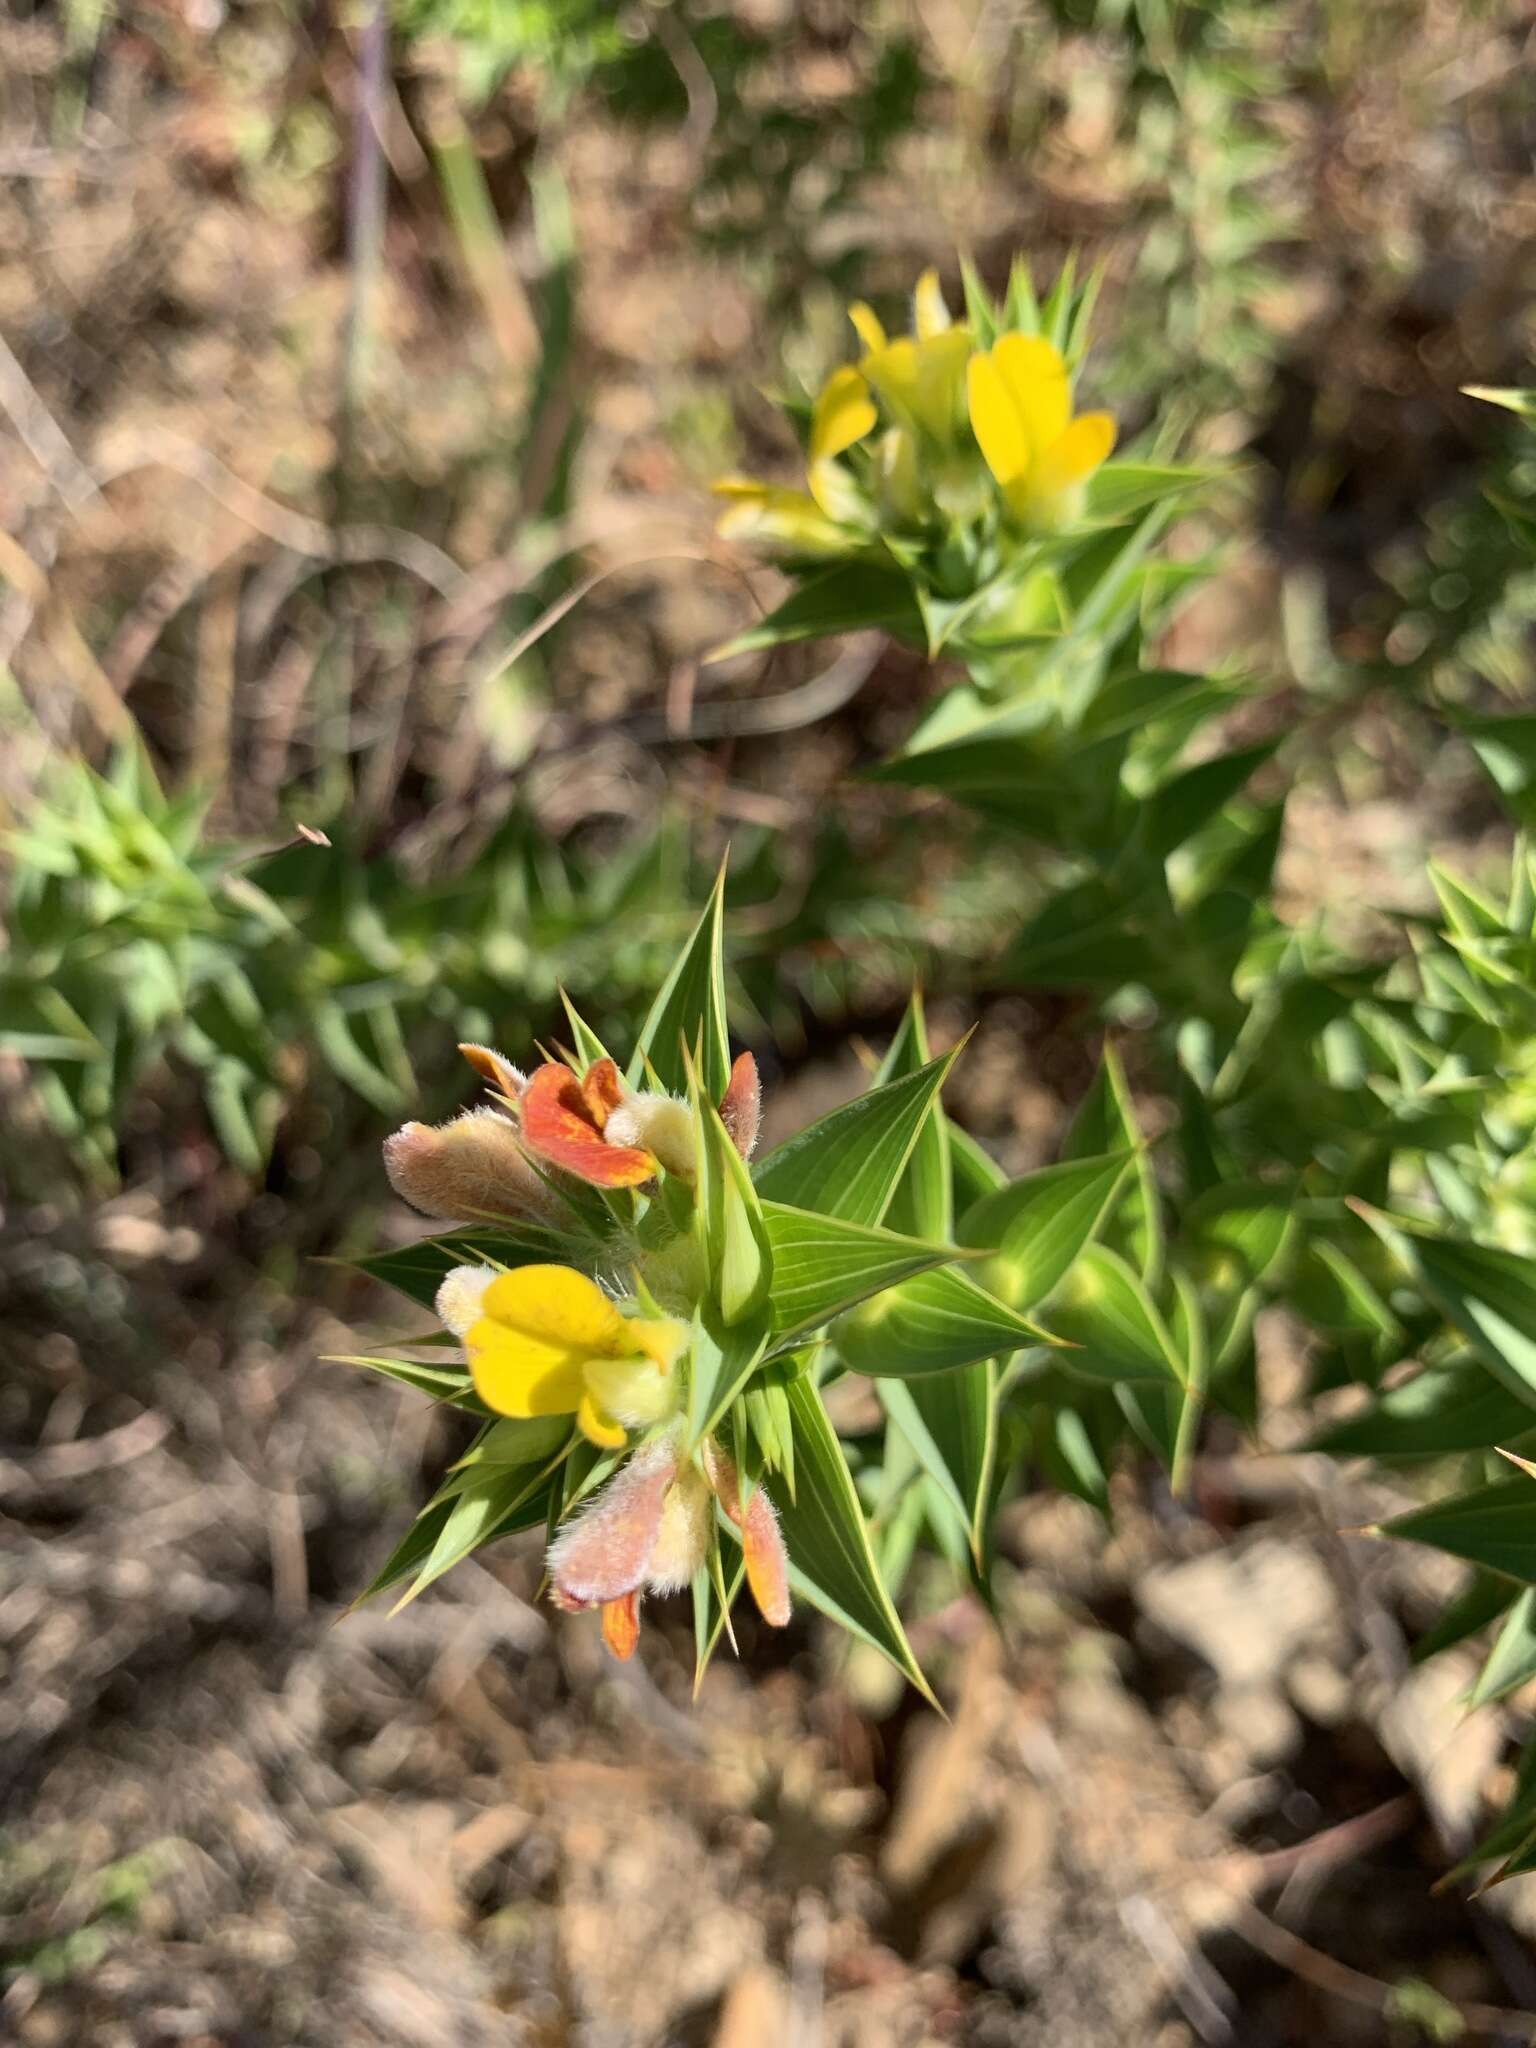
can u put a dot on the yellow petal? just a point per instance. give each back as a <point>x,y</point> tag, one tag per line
<point>844,413</point>
<point>557,1306</point>
<point>896,474</point>
<point>516,1376</point>
<point>634,1391</point>
<point>599,1428</point>
<point>995,421</point>
<point>660,1338</point>
<point>930,315</point>
<point>1077,452</point>
<point>892,369</point>
<point>791,519</point>
<point>1051,495</point>
<point>866,326</point>
<point>1037,382</point>
<point>941,362</point>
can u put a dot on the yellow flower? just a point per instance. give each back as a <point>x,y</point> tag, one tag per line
<point>921,377</point>
<point>1021,414</point>
<point>812,521</point>
<point>548,1341</point>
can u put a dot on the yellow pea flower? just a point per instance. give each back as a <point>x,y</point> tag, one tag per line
<point>813,521</point>
<point>843,415</point>
<point>1021,414</point>
<point>921,377</point>
<point>548,1341</point>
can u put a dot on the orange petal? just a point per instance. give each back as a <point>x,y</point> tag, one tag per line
<point>557,1124</point>
<point>621,1626</point>
<point>741,1106</point>
<point>602,1090</point>
<point>762,1541</point>
<point>492,1066</point>
<point>605,1552</point>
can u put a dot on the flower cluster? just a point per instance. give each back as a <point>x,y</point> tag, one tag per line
<point>547,1339</point>
<point>945,429</point>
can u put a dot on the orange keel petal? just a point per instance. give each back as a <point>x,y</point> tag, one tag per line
<point>602,1090</point>
<point>621,1626</point>
<point>762,1541</point>
<point>557,1124</point>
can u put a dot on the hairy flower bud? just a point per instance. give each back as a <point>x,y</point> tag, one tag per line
<point>660,1125</point>
<point>467,1170</point>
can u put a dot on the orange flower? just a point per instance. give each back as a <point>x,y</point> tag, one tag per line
<point>612,1136</point>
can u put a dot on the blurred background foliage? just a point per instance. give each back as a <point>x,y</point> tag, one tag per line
<point>382,395</point>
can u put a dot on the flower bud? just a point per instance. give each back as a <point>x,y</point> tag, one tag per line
<point>660,1125</point>
<point>460,1298</point>
<point>467,1170</point>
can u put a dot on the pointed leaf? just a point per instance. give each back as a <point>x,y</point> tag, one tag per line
<point>822,1265</point>
<point>722,1359</point>
<point>689,1010</point>
<point>840,600</point>
<point>418,1270</point>
<point>831,1561</point>
<point>951,1423</point>
<point>922,1204</point>
<point>1041,1222</point>
<point>714,1595</point>
<point>1435,1414</point>
<point>1512,1660</point>
<point>933,1323</point>
<point>1495,1527</point>
<point>1487,1597</point>
<point>1489,1294</point>
<point>729,1216</point>
<point>849,1162</point>
<point>1104,1308</point>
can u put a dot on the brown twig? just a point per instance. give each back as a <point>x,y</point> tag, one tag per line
<point>1339,1980</point>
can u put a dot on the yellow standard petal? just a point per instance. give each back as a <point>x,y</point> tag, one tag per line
<point>995,421</point>
<point>539,1326</point>
<point>1037,382</point>
<point>844,414</point>
<point>930,315</point>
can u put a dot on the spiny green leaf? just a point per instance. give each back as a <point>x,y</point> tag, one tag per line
<point>841,600</point>
<point>729,1216</point>
<point>1489,1294</point>
<point>689,1011</point>
<point>1494,1526</point>
<point>1104,1307</point>
<point>922,1203</point>
<point>1512,1660</point>
<point>849,1163</point>
<point>722,1359</point>
<point>1041,1222</point>
<point>822,1265</point>
<point>832,1563</point>
<point>935,1322</point>
<point>951,1423</point>
<point>1435,1414</point>
<point>1485,1599</point>
<point>418,1270</point>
